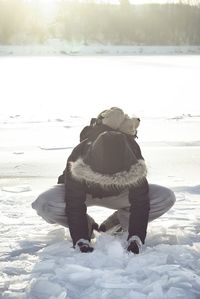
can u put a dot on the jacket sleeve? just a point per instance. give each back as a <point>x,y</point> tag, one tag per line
<point>76,210</point>
<point>135,147</point>
<point>75,197</point>
<point>139,210</point>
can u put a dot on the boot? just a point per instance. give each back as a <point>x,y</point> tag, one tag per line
<point>110,223</point>
<point>92,225</point>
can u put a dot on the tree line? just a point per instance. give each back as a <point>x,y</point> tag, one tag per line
<point>23,21</point>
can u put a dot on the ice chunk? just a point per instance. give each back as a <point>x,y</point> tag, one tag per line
<point>17,189</point>
<point>109,252</point>
<point>44,266</point>
<point>45,289</point>
<point>81,278</point>
<point>18,153</point>
<point>179,293</point>
<point>115,250</point>
<point>157,291</point>
<point>63,295</point>
<point>166,269</point>
<point>144,261</point>
<point>119,285</point>
<point>54,147</point>
<point>136,295</point>
<point>73,268</point>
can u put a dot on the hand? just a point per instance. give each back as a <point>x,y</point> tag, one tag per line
<point>84,246</point>
<point>134,244</point>
<point>133,247</point>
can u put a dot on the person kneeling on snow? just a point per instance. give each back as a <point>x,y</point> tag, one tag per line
<point>106,169</point>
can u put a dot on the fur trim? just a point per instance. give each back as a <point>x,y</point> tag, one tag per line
<point>129,125</point>
<point>113,117</point>
<point>84,241</point>
<point>136,239</point>
<point>83,172</point>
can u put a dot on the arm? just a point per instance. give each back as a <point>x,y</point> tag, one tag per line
<point>139,200</point>
<point>75,197</point>
<point>139,211</point>
<point>135,147</point>
<point>76,210</point>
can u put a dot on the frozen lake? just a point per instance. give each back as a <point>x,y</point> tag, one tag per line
<point>45,87</point>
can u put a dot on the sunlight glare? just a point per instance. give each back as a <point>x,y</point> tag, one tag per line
<point>47,7</point>
<point>51,3</point>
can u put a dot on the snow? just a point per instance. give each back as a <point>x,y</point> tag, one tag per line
<point>62,48</point>
<point>16,189</point>
<point>37,260</point>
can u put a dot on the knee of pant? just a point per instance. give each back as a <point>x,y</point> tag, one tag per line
<point>39,203</point>
<point>170,197</point>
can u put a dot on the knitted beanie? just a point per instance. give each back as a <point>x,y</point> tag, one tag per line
<point>129,125</point>
<point>112,117</point>
<point>117,120</point>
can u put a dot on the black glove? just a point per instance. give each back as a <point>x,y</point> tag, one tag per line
<point>133,247</point>
<point>84,246</point>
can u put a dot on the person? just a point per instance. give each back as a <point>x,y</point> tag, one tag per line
<point>106,169</point>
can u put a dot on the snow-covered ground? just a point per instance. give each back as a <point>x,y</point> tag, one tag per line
<point>37,259</point>
<point>37,133</point>
<point>59,47</point>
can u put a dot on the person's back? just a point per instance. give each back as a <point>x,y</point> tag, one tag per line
<point>105,167</point>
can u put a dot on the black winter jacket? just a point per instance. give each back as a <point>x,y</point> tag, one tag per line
<point>76,191</point>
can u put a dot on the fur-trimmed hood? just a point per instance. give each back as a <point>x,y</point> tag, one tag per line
<point>82,172</point>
